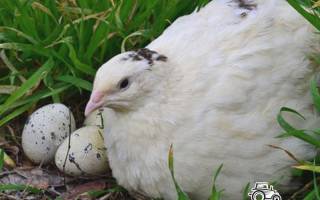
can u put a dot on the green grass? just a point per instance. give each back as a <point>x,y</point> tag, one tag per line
<point>50,50</point>
<point>215,193</point>
<point>310,10</point>
<point>18,187</point>
<point>1,159</point>
<point>180,193</point>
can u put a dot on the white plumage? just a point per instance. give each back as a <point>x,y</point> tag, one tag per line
<point>212,87</point>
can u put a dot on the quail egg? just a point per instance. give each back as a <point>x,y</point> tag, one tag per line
<point>86,154</point>
<point>45,130</point>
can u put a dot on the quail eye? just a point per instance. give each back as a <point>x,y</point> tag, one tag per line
<point>124,83</point>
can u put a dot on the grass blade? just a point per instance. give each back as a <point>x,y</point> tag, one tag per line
<point>27,85</point>
<point>20,33</point>
<point>181,195</point>
<point>123,44</point>
<point>290,130</point>
<point>77,63</point>
<point>78,82</point>
<point>283,123</point>
<point>246,192</point>
<point>315,94</point>
<point>19,187</point>
<point>308,16</point>
<point>40,95</point>
<point>1,159</point>
<point>309,167</point>
<point>215,194</point>
<point>15,113</point>
<point>315,185</point>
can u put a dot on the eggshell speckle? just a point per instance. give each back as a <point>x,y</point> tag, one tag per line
<point>45,130</point>
<point>87,154</point>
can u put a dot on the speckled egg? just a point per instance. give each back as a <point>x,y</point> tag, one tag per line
<point>45,130</point>
<point>87,153</point>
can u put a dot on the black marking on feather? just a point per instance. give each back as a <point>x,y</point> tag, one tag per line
<point>146,54</point>
<point>246,4</point>
<point>243,14</point>
<point>162,58</point>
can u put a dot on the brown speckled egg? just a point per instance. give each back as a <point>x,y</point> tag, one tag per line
<point>87,153</point>
<point>45,130</point>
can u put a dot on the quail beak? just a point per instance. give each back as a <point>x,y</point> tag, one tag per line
<point>95,102</point>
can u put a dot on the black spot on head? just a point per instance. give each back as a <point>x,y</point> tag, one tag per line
<point>124,58</point>
<point>162,58</point>
<point>145,54</point>
<point>243,15</point>
<point>246,4</point>
<point>135,57</point>
<point>43,137</point>
<point>98,156</point>
<point>32,125</point>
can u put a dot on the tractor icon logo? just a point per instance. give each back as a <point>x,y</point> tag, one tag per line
<point>262,191</point>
